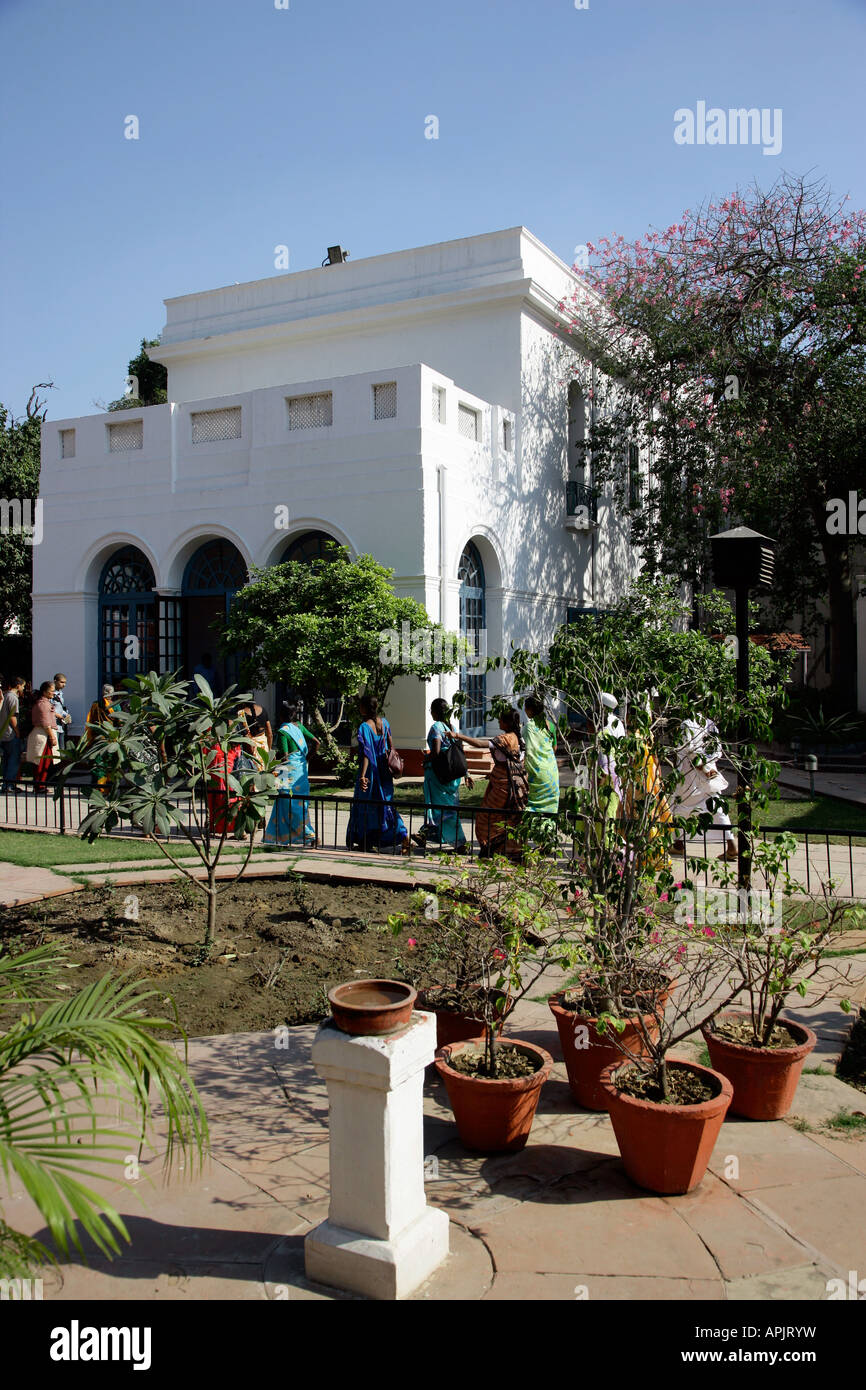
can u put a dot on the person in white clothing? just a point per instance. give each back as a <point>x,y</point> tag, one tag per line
<point>61,713</point>
<point>697,757</point>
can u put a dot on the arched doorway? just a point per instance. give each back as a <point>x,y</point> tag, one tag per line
<point>212,577</point>
<point>127,616</point>
<point>473,679</point>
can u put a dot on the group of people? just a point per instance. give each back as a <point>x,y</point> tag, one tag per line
<point>524,778</point>
<point>33,727</point>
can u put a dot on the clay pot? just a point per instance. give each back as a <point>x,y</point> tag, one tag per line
<point>764,1078</point>
<point>452,1026</point>
<point>494,1116</point>
<point>666,1148</point>
<point>585,1065</point>
<point>372,1007</point>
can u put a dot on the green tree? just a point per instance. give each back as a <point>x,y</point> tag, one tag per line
<point>160,758</point>
<point>152,380</point>
<point>333,624</point>
<point>19,483</point>
<point>732,347</point>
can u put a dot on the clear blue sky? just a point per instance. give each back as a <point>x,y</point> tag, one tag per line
<point>305,126</point>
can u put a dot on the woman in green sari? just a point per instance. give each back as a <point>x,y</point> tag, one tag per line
<point>289,823</point>
<point>542,772</point>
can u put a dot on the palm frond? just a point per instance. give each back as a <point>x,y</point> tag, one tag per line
<point>20,1254</point>
<point>75,1096</point>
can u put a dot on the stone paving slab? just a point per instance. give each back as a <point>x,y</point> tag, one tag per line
<point>571,1288</point>
<point>23,884</point>
<point>826,1214</point>
<point>842,786</point>
<point>313,864</point>
<point>807,1282</point>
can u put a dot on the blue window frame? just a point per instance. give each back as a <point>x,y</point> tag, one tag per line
<point>127,616</point>
<point>473,682</point>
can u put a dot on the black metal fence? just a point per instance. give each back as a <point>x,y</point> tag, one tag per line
<point>826,853</point>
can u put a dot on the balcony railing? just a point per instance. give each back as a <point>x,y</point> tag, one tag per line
<point>581,505</point>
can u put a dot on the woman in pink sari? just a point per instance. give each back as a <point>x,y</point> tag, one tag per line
<point>42,742</point>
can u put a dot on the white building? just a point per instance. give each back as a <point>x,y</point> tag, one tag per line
<point>414,406</point>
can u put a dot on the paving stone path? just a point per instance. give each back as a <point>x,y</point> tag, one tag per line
<point>779,1213</point>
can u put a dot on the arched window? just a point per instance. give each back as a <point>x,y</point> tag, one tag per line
<point>127,616</point>
<point>212,577</point>
<point>217,566</point>
<point>473,679</point>
<point>310,545</point>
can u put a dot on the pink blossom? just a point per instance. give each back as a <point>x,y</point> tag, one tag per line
<point>412,943</point>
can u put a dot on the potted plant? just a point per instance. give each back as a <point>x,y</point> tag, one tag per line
<point>621,826</point>
<point>444,964</point>
<point>776,952</point>
<point>505,925</point>
<point>638,676</point>
<point>667,1111</point>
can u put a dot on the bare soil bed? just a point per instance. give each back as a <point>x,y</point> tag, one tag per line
<point>279,947</point>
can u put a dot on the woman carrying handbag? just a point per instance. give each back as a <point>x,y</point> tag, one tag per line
<point>374,823</point>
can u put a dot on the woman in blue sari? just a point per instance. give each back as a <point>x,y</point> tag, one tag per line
<point>442,826</point>
<point>290,821</point>
<point>373,822</point>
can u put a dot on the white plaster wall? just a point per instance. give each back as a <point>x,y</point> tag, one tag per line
<point>412,492</point>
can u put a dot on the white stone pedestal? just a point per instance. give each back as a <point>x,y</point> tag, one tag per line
<point>381,1239</point>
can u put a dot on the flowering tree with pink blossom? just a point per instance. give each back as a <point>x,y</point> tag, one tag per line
<point>730,348</point>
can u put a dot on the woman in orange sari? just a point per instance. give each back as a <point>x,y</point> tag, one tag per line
<point>507,793</point>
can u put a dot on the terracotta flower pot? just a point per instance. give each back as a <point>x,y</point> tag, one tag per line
<point>764,1078</point>
<point>371,1007</point>
<point>666,1148</point>
<point>452,1025</point>
<point>494,1116</point>
<point>585,1064</point>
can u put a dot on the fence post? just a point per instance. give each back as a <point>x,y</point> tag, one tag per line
<point>62,811</point>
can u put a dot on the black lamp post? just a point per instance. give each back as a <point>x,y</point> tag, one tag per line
<point>742,560</point>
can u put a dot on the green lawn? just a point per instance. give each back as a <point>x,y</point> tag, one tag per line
<point>36,849</point>
<point>822,813</point>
